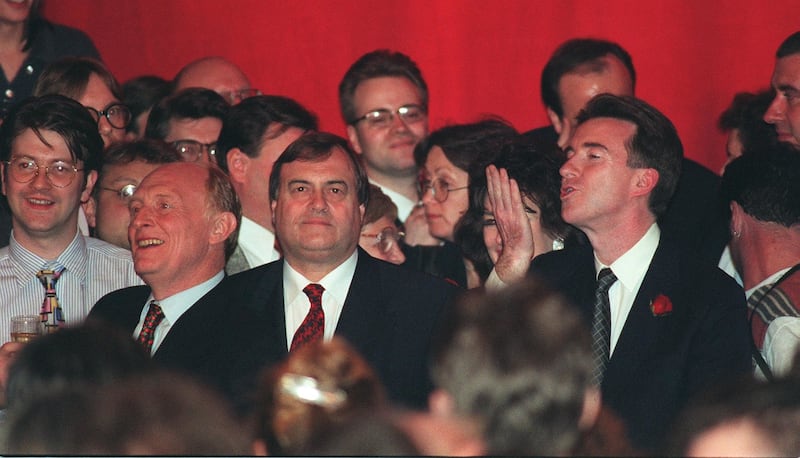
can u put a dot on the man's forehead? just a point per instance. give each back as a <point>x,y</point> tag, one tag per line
<point>787,72</point>
<point>336,164</point>
<point>603,127</point>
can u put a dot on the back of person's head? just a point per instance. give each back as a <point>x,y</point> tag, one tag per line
<point>519,361</point>
<point>157,414</point>
<point>754,418</point>
<point>745,115</point>
<point>577,54</point>
<point>320,385</point>
<point>257,119</point>
<point>655,143</point>
<point>191,103</point>
<point>369,434</point>
<point>69,77</point>
<point>766,185</point>
<point>378,206</point>
<point>140,94</point>
<point>377,64</point>
<point>790,46</point>
<point>59,114</point>
<point>87,355</point>
<point>464,144</point>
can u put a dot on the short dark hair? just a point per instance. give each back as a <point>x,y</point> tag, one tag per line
<point>190,103</point>
<point>463,144</point>
<point>746,115</point>
<point>380,205</point>
<point>69,77</point>
<point>376,64</point>
<point>315,147</point>
<point>573,54</point>
<point>59,114</point>
<point>766,185</point>
<point>147,150</point>
<point>142,93</point>
<point>520,361</point>
<point>655,143</point>
<point>791,45</point>
<point>246,123</point>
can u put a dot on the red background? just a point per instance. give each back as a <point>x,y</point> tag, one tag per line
<point>477,56</point>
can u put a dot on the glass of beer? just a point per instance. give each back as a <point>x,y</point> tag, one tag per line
<point>25,327</point>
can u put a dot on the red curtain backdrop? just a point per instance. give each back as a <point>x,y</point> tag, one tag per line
<point>479,57</point>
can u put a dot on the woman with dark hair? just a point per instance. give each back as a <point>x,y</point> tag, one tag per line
<point>28,43</point>
<point>444,160</point>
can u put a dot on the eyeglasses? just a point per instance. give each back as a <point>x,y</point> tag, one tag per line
<point>117,114</point>
<point>440,188</point>
<point>410,114</point>
<point>24,169</point>
<point>191,150</point>
<point>124,192</point>
<point>234,97</point>
<point>386,238</point>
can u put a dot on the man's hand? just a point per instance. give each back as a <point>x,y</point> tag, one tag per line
<point>7,354</point>
<point>513,227</point>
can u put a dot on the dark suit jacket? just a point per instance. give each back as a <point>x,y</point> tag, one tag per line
<point>389,316</point>
<point>212,341</point>
<point>660,361</point>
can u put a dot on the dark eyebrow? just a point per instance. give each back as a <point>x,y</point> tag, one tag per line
<point>787,88</point>
<point>595,145</point>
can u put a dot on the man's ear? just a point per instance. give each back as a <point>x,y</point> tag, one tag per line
<point>555,120</point>
<point>223,225</point>
<point>352,135</point>
<point>646,180</point>
<point>90,209</point>
<point>91,179</point>
<point>738,219</point>
<point>237,162</point>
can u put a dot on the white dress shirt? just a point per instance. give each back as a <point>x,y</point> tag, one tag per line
<point>297,304</point>
<point>403,203</point>
<point>630,269</point>
<point>257,243</point>
<point>175,306</point>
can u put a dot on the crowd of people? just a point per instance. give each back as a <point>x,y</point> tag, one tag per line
<point>214,275</point>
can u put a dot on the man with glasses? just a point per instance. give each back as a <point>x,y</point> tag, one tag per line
<point>50,150</point>
<point>123,167</point>
<point>384,102</point>
<point>254,134</point>
<point>217,74</point>
<point>190,121</point>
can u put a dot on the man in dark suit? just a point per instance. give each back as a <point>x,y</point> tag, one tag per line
<point>669,325</point>
<point>184,219</point>
<point>318,190</point>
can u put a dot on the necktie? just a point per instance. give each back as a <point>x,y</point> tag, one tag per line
<point>601,324</point>
<point>52,314</point>
<point>151,321</point>
<point>313,325</point>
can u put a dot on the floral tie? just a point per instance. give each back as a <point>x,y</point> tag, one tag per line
<point>313,326</point>
<point>151,321</point>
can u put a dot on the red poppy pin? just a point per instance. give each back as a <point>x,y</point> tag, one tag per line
<point>661,305</point>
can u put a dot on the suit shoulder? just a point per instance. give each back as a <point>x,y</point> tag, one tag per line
<point>407,278</point>
<point>118,299</point>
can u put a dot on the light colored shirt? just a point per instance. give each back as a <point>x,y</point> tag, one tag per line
<point>297,304</point>
<point>403,203</point>
<point>93,268</point>
<point>782,337</point>
<point>630,269</point>
<point>175,306</point>
<point>726,265</point>
<point>257,243</point>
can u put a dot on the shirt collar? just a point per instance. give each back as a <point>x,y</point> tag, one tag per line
<point>404,204</point>
<point>631,267</point>
<point>336,283</point>
<point>177,304</point>
<point>257,241</point>
<point>73,258</point>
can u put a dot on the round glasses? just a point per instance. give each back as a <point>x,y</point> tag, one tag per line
<point>440,188</point>
<point>192,150</point>
<point>124,192</point>
<point>386,238</point>
<point>24,169</point>
<point>234,97</point>
<point>117,114</point>
<point>410,114</point>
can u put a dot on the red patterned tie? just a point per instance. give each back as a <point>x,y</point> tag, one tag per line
<point>154,316</point>
<point>313,326</point>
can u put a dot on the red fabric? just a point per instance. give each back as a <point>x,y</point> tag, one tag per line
<point>313,326</point>
<point>478,57</point>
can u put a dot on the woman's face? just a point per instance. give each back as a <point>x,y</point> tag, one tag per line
<point>441,173</point>
<point>542,243</point>
<point>15,11</point>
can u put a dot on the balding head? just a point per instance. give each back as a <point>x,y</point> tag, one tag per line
<point>217,74</point>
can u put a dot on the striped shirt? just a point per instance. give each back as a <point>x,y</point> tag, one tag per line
<point>93,268</point>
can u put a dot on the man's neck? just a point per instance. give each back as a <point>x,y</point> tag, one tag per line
<point>314,271</point>
<point>405,185</point>
<point>262,218</point>
<point>46,247</point>
<point>611,243</point>
<point>768,253</point>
